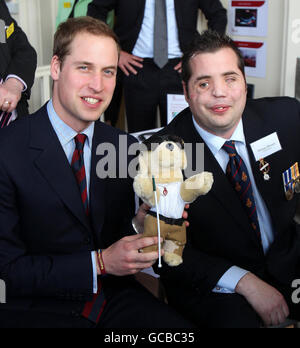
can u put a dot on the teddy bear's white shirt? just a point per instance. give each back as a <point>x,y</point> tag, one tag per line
<point>170,205</point>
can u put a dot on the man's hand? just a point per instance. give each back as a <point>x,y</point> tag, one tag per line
<point>128,61</point>
<point>268,303</point>
<point>178,68</point>
<point>10,94</point>
<point>123,257</point>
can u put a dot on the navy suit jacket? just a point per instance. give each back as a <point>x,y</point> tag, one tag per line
<point>45,237</point>
<point>220,234</point>
<point>130,16</point>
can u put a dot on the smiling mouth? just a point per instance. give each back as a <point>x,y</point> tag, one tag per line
<point>220,108</point>
<point>92,101</point>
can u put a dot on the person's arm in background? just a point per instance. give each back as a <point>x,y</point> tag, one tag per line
<point>100,8</point>
<point>215,14</point>
<point>22,63</point>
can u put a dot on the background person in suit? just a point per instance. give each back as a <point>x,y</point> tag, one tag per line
<point>77,8</point>
<point>53,222</point>
<point>235,273</point>
<point>147,84</point>
<point>18,62</point>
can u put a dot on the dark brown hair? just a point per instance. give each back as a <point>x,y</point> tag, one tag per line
<point>67,31</point>
<point>209,42</point>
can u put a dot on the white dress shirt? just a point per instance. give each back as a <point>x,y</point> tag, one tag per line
<point>227,283</point>
<point>144,45</point>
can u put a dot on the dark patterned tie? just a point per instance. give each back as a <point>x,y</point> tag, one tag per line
<point>77,165</point>
<point>160,44</point>
<point>94,308</point>
<point>5,119</point>
<point>238,176</point>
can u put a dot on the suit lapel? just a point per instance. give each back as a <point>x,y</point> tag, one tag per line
<point>221,189</point>
<point>97,185</point>
<point>255,129</point>
<point>54,166</point>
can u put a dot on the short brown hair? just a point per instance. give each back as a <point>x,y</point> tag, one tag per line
<point>209,42</point>
<point>67,31</point>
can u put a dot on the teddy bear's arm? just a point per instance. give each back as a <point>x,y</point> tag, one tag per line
<point>195,186</point>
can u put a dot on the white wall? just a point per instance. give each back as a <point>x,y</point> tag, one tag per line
<point>271,85</point>
<point>37,19</point>
<point>291,46</point>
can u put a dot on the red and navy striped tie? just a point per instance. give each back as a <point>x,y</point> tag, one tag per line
<point>94,308</point>
<point>5,118</point>
<point>77,165</point>
<point>238,176</point>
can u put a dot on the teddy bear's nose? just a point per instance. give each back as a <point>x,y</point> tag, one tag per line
<point>170,146</point>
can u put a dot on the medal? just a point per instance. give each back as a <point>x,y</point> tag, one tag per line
<point>291,181</point>
<point>297,185</point>
<point>264,167</point>
<point>289,194</point>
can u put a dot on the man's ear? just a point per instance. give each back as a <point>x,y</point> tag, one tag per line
<point>55,68</point>
<point>185,91</point>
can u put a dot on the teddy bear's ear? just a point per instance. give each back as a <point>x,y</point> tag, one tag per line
<point>184,160</point>
<point>143,162</point>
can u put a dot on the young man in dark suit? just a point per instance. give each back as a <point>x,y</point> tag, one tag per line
<point>243,249</point>
<point>147,82</point>
<point>67,255</point>
<point>17,68</point>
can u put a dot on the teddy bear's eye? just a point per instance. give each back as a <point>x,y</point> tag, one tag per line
<point>170,146</point>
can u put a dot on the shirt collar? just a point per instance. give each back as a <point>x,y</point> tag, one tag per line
<point>64,132</point>
<point>214,142</point>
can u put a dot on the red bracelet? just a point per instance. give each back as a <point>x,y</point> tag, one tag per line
<point>101,263</point>
<point>97,261</point>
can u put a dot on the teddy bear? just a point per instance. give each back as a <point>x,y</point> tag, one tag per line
<point>163,160</point>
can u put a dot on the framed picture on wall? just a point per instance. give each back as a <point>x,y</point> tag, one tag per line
<point>248,18</point>
<point>255,57</point>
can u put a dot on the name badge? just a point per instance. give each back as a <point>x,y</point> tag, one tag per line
<point>2,31</point>
<point>10,30</point>
<point>266,146</point>
<point>67,5</point>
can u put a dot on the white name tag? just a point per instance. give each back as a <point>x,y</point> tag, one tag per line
<point>266,146</point>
